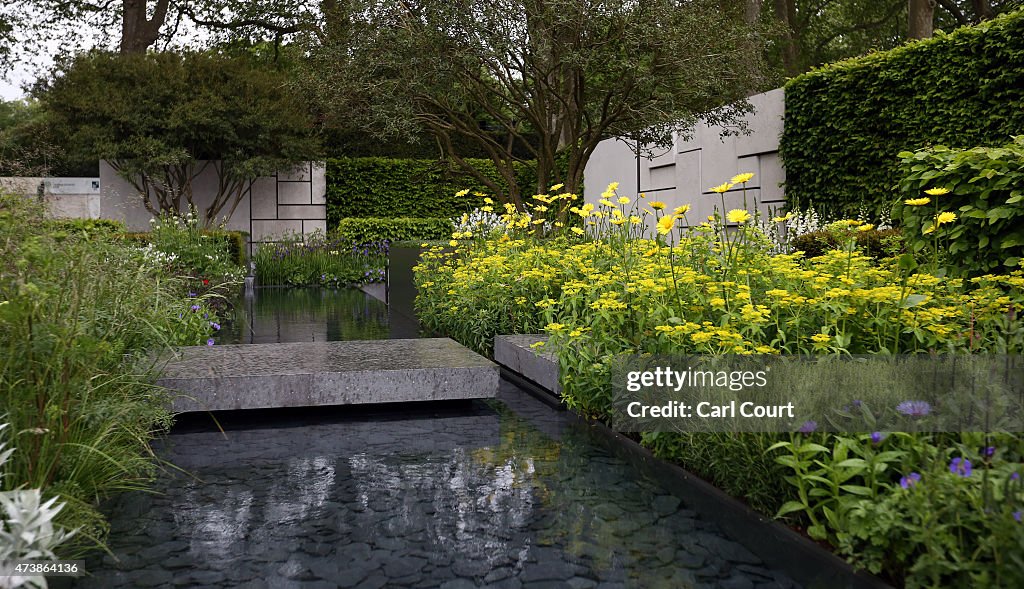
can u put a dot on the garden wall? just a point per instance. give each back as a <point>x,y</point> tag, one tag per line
<point>684,173</point>
<point>66,198</point>
<point>287,202</point>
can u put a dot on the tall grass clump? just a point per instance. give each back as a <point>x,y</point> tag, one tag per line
<point>78,318</point>
<point>320,260</point>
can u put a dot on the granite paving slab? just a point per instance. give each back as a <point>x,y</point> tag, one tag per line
<point>539,366</point>
<point>307,374</point>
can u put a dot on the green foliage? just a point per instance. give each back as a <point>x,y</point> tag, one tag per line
<point>551,78</point>
<point>186,247</point>
<point>86,228</point>
<point>737,463</point>
<point>78,318</point>
<point>155,116</point>
<point>319,260</point>
<point>986,187</point>
<point>875,243</point>
<point>846,122</point>
<point>388,187</point>
<point>370,230</point>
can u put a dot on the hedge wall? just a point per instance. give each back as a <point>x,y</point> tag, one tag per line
<point>846,123</point>
<point>388,187</point>
<point>371,230</point>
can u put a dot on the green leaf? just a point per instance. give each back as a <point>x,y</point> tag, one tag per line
<point>790,507</point>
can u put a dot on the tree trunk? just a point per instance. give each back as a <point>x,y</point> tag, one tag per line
<point>785,12</point>
<point>920,14</point>
<point>983,9</point>
<point>138,31</point>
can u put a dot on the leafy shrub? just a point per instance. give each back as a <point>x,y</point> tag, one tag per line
<point>86,227</point>
<point>983,189</point>
<point>376,229</point>
<point>387,187</point>
<point>78,318</point>
<point>846,122</point>
<point>877,243</point>
<point>316,260</point>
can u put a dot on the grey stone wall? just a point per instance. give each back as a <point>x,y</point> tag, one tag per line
<point>684,173</point>
<point>66,198</point>
<point>289,202</point>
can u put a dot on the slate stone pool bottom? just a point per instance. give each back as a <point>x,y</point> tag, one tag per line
<point>501,494</point>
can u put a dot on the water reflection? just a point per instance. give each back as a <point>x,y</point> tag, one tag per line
<point>485,496</point>
<point>272,315</point>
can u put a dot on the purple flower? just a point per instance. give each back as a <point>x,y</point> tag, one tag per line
<point>960,466</point>
<point>209,342</point>
<point>215,325</point>
<point>191,295</point>
<point>990,452</point>
<point>1015,476</point>
<point>857,402</point>
<point>910,480</point>
<point>1017,515</point>
<point>808,427</point>
<point>877,437</point>
<point>914,408</point>
<point>195,307</point>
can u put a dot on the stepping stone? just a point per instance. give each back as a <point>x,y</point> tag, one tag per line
<point>311,374</point>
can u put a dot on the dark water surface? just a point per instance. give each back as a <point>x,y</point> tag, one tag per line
<point>273,314</point>
<point>502,494</point>
<point>505,493</point>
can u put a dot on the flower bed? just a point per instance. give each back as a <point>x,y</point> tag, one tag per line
<point>717,290</point>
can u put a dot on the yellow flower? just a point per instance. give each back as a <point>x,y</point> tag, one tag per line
<point>462,192</point>
<point>606,202</point>
<point>916,202</point>
<point>738,216</point>
<point>821,338</point>
<point>613,187</point>
<point>867,227</point>
<point>785,217</point>
<point>928,229</point>
<point>577,230</point>
<point>682,210</point>
<point>624,200</point>
<point>944,218</point>
<point>488,201</point>
<point>657,205</point>
<point>453,243</point>
<point>556,327</point>
<point>937,191</point>
<point>722,187</point>
<point>556,187</point>
<point>742,178</point>
<point>618,221</point>
<point>665,225</point>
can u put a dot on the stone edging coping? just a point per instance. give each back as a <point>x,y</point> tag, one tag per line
<point>803,560</point>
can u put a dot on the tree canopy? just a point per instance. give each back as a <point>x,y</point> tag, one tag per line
<point>157,117</point>
<point>539,81</point>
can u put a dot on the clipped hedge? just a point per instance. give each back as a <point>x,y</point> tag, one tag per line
<point>876,243</point>
<point>374,229</point>
<point>986,193</point>
<point>388,187</point>
<point>846,122</point>
<point>86,227</point>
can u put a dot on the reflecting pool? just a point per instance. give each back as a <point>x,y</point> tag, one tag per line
<point>507,493</point>
<point>272,315</point>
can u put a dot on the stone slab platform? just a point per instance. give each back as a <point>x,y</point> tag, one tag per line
<point>309,374</point>
<point>541,367</point>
